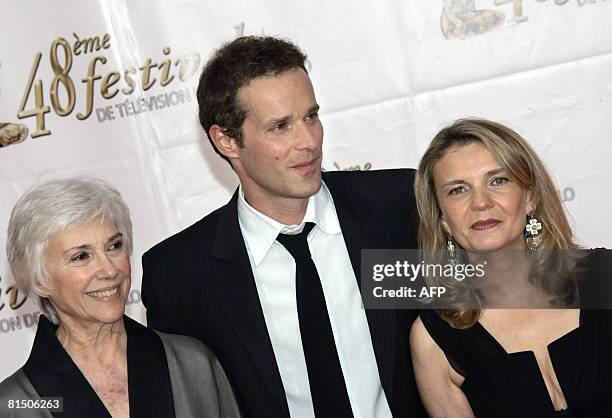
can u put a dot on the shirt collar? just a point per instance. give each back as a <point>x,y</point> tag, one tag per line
<point>260,231</point>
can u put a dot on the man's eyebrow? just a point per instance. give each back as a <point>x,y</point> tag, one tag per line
<point>287,118</point>
<point>277,120</point>
<point>314,109</point>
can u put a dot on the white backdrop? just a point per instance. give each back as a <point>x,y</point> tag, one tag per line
<point>387,74</point>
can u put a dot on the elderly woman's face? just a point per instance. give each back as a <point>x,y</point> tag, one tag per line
<point>89,271</point>
<point>482,207</point>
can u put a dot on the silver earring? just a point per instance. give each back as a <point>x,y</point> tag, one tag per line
<point>452,257</point>
<point>533,232</point>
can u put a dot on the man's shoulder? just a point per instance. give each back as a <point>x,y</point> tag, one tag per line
<point>201,232</point>
<point>377,187</point>
<point>370,177</point>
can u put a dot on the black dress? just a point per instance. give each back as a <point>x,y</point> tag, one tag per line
<point>502,384</point>
<point>498,384</point>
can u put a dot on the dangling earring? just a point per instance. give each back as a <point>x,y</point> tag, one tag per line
<point>533,231</point>
<point>452,257</point>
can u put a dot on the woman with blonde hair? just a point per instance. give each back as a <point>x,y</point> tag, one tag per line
<point>485,198</point>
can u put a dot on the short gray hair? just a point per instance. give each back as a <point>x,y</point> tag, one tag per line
<point>48,209</point>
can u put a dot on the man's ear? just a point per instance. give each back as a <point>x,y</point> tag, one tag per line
<point>225,144</point>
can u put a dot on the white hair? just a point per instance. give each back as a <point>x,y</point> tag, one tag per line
<point>48,209</point>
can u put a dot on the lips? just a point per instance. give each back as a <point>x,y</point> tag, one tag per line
<point>305,164</point>
<point>305,167</point>
<point>486,224</point>
<point>103,293</point>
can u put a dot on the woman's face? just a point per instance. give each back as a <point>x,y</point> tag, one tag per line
<point>482,207</point>
<point>89,271</point>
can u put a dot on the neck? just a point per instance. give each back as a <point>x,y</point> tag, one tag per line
<point>288,211</point>
<point>506,282</point>
<point>504,262</point>
<point>87,340</point>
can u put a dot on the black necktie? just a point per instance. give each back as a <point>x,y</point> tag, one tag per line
<point>327,386</point>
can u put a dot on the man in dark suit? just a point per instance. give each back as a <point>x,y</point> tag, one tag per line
<point>270,281</point>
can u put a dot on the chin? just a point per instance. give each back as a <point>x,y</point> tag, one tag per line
<point>110,314</point>
<point>315,188</point>
<point>111,318</point>
<point>306,190</point>
<point>487,248</point>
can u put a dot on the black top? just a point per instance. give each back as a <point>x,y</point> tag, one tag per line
<point>53,374</point>
<point>498,384</point>
<point>502,384</point>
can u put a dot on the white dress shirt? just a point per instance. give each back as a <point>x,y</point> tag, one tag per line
<point>274,272</point>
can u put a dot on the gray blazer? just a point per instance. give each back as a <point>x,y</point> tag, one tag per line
<point>199,385</point>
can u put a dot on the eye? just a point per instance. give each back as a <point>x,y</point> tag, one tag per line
<point>116,245</point>
<point>457,191</point>
<point>80,257</point>
<point>280,127</point>
<point>498,181</point>
<point>313,117</point>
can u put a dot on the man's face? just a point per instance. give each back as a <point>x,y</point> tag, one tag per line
<point>281,157</point>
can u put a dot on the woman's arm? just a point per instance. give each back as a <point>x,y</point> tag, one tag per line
<point>437,381</point>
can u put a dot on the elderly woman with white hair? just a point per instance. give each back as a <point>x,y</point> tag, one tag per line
<point>68,246</point>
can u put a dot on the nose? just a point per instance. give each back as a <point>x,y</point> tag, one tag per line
<point>481,199</point>
<point>310,135</point>
<point>106,267</point>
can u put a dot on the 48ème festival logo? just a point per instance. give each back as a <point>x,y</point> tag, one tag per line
<point>62,91</point>
<point>462,19</point>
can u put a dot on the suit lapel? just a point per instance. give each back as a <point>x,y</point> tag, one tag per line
<point>234,286</point>
<point>358,234</point>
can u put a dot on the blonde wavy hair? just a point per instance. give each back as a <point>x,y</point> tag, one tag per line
<point>552,270</point>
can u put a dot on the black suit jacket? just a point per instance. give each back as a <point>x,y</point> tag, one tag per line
<point>199,282</point>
